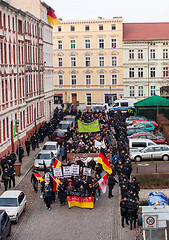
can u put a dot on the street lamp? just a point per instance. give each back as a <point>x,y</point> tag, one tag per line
<point>17,124</point>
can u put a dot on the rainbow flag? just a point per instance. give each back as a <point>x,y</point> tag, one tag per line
<point>38,177</point>
<point>104,161</point>
<point>51,17</point>
<point>82,202</point>
<point>57,163</point>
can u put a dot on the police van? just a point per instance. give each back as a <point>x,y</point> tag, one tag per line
<point>123,104</point>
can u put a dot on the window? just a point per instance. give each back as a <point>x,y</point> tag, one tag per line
<point>100,27</point>
<point>165,53</point>
<point>60,63</point>
<point>131,72</point>
<point>114,61</point>
<point>152,72</point>
<point>131,54</point>
<point>87,61</point>
<point>114,79</point>
<point>153,90</point>
<point>101,79</point>
<point>73,80</point>
<point>113,43</point>
<point>152,53</point>
<point>165,43</point>
<point>87,27</point>
<point>88,99</point>
<point>59,44</point>
<point>19,26</point>
<point>88,80</point>
<point>4,18</point>
<point>59,28</point>
<point>101,61</point>
<point>72,28</point>
<point>140,91</point>
<point>58,99</point>
<point>60,80</point>
<point>0,19</point>
<point>113,27</point>
<point>140,72</point>
<point>72,43</point>
<point>165,71</point>
<point>140,54</point>
<point>131,91</point>
<point>9,24</point>
<point>87,43</point>
<point>101,43</point>
<point>73,61</point>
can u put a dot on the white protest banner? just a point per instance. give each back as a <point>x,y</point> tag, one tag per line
<point>57,172</point>
<point>67,171</point>
<point>75,170</point>
<point>99,144</point>
<point>87,171</point>
<point>47,178</point>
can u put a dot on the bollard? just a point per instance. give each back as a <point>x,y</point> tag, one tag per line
<point>156,168</point>
<point>137,169</point>
<point>151,158</point>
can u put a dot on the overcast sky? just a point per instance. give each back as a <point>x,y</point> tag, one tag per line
<point>130,10</point>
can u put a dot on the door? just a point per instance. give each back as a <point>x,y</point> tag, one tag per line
<point>74,100</point>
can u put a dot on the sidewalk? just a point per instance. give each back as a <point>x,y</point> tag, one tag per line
<point>27,164</point>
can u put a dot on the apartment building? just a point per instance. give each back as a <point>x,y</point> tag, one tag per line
<point>39,9</point>
<point>88,61</point>
<point>21,76</point>
<point>146,59</point>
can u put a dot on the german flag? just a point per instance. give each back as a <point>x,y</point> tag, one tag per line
<point>38,177</point>
<point>51,17</point>
<point>104,161</point>
<point>81,202</point>
<point>56,183</point>
<point>57,163</point>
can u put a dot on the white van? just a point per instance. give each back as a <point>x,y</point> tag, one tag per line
<point>100,107</point>
<point>123,104</point>
<point>138,144</point>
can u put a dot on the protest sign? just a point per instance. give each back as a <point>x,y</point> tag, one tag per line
<point>67,171</point>
<point>75,170</point>
<point>47,178</point>
<point>57,172</point>
<point>87,171</point>
<point>88,127</point>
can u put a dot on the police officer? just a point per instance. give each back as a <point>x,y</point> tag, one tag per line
<point>111,183</point>
<point>135,187</point>
<point>33,141</point>
<point>124,210</point>
<point>27,145</point>
<point>11,172</point>
<point>132,212</point>
<point>5,178</point>
<point>20,153</point>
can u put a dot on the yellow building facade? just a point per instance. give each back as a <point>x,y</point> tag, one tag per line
<point>88,61</point>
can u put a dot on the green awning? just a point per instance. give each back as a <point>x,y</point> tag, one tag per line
<point>153,101</point>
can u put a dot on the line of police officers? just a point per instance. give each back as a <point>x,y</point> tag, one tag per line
<point>123,168</point>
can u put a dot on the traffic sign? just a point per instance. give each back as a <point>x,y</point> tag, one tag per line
<point>150,222</point>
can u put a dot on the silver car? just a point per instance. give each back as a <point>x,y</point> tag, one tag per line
<point>151,152</point>
<point>43,156</point>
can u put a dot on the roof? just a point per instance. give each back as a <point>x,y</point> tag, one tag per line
<point>153,101</point>
<point>10,194</point>
<point>145,31</point>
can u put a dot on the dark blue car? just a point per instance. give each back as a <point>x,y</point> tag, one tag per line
<point>5,225</point>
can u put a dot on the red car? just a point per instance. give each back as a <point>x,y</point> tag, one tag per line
<point>142,120</point>
<point>149,136</point>
<point>58,136</point>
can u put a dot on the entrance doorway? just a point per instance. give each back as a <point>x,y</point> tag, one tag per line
<point>110,98</point>
<point>74,100</point>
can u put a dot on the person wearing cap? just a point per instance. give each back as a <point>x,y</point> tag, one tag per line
<point>47,194</point>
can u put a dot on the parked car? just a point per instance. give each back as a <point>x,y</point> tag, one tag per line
<point>59,136</point>
<point>131,131</point>
<point>130,120</point>
<point>138,121</point>
<point>71,118</point>
<point>5,226</point>
<point>148,136</point>
<point>53,147</point>
<point>151,152</point>
<point>65,124</point>
<point>138,144</point>
<point>43,156</point>
<point>14,203</point>
<point>145,126</point>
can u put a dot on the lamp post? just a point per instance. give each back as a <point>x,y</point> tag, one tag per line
<point>17,124</point>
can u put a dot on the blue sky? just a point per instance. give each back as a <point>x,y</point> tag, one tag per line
<point>131,10</point>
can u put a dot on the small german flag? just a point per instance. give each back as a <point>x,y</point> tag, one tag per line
<point>38,177</point>
<point>57,163</point>
<point>56,183</point>
<point>104,161</point>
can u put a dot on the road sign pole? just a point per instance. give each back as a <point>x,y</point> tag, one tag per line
<point>150,235</point>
